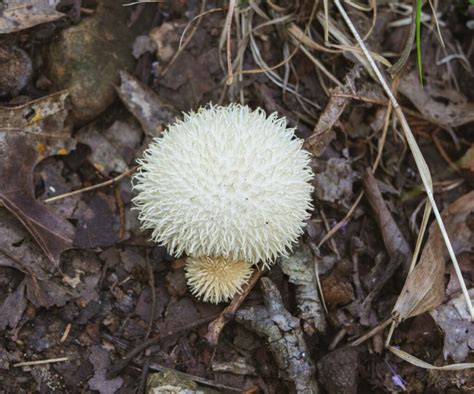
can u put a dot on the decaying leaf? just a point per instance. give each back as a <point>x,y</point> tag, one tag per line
<point>454,319</point>
<point>104,157</point>
<point>393,238</point>
<point>28,134</point>
<point>99,358</point>
<point>299,267</point>
<point>323,132</point>
<point>21,14</point>
<point>334,184</point>
<point>13,307</point>
<point>467,161</point>
<point>98,223</point>
<point>424,288</point>
<point>19,251</point>
<point>430,101</point>
<point>144,104</point>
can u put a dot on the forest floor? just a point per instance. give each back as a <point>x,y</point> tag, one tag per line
<point>89,304</point>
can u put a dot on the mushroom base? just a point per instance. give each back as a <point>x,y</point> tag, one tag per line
<point>216,279</point>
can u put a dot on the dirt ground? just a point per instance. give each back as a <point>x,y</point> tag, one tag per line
<point>89,304</point>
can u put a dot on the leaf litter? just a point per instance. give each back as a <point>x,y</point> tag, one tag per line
<point>94,303</point>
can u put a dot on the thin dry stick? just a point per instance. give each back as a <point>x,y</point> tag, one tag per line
<point>151,283</point>
<point>119,366</point>
<point>182,45</point>
<point>198,379</point>
<point>93,187</point>
<point>343,222</point>
<point>66,333</point>
<point>218,324</point>
<point>372,332</point>
<point>228,25</point>
<point>41,362</point>
<point>419,160</point>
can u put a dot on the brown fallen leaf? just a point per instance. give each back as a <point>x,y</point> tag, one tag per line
<point>467,161</point>
<point>323,132</point>
<point>393,238</point>
<point>19,251</point>
<point>28,134</point>
<point>22,14</point>
<point>457,112</point>
<point>424,288</point>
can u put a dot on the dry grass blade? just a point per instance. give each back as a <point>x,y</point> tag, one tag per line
<point>422,364</point>
<point>419,160</point>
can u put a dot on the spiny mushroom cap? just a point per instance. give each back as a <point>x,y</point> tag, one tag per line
<point>216,279</point>
<point>225,181</point>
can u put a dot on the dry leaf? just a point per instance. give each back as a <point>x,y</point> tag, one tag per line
<point>19,251</point>
<point>455,113</point>
<point>334,184</point>
<point>99,358</point>
<point>21,14</point>
<point>323,132</point>
<point>28,134</point>
<point>453,318</point>
<point>144,104</point>
<point>13,307</point>
<point>424,288</point>
<point>104,156</point>
<point>393,238</point>
<point>467,161</point>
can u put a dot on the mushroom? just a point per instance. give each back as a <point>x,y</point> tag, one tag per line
<point>230,188</point>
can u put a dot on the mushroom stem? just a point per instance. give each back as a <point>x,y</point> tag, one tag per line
<point>216,279</point>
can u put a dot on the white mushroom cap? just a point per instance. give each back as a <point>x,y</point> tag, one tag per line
<point>216,279</point>
<point>225,181</point>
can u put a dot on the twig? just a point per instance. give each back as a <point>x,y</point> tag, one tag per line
<point>198,379</point>
<point>121,213</point>
<point>144,375</point>
<point>66,333</point>
<point>41,362</point>
<point>93,187</point>
<point>343,222</point>
<point>372,332</point>
<point>227,27</point>
<point>151,282</point>
<point>419,160</point>
<point>444,155</point>
<point>120,365</point>
<point>182,45</point>
<point>215,328</point>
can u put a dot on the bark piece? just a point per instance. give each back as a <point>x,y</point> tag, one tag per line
<point>300,269</point>
<point>284,336</point>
